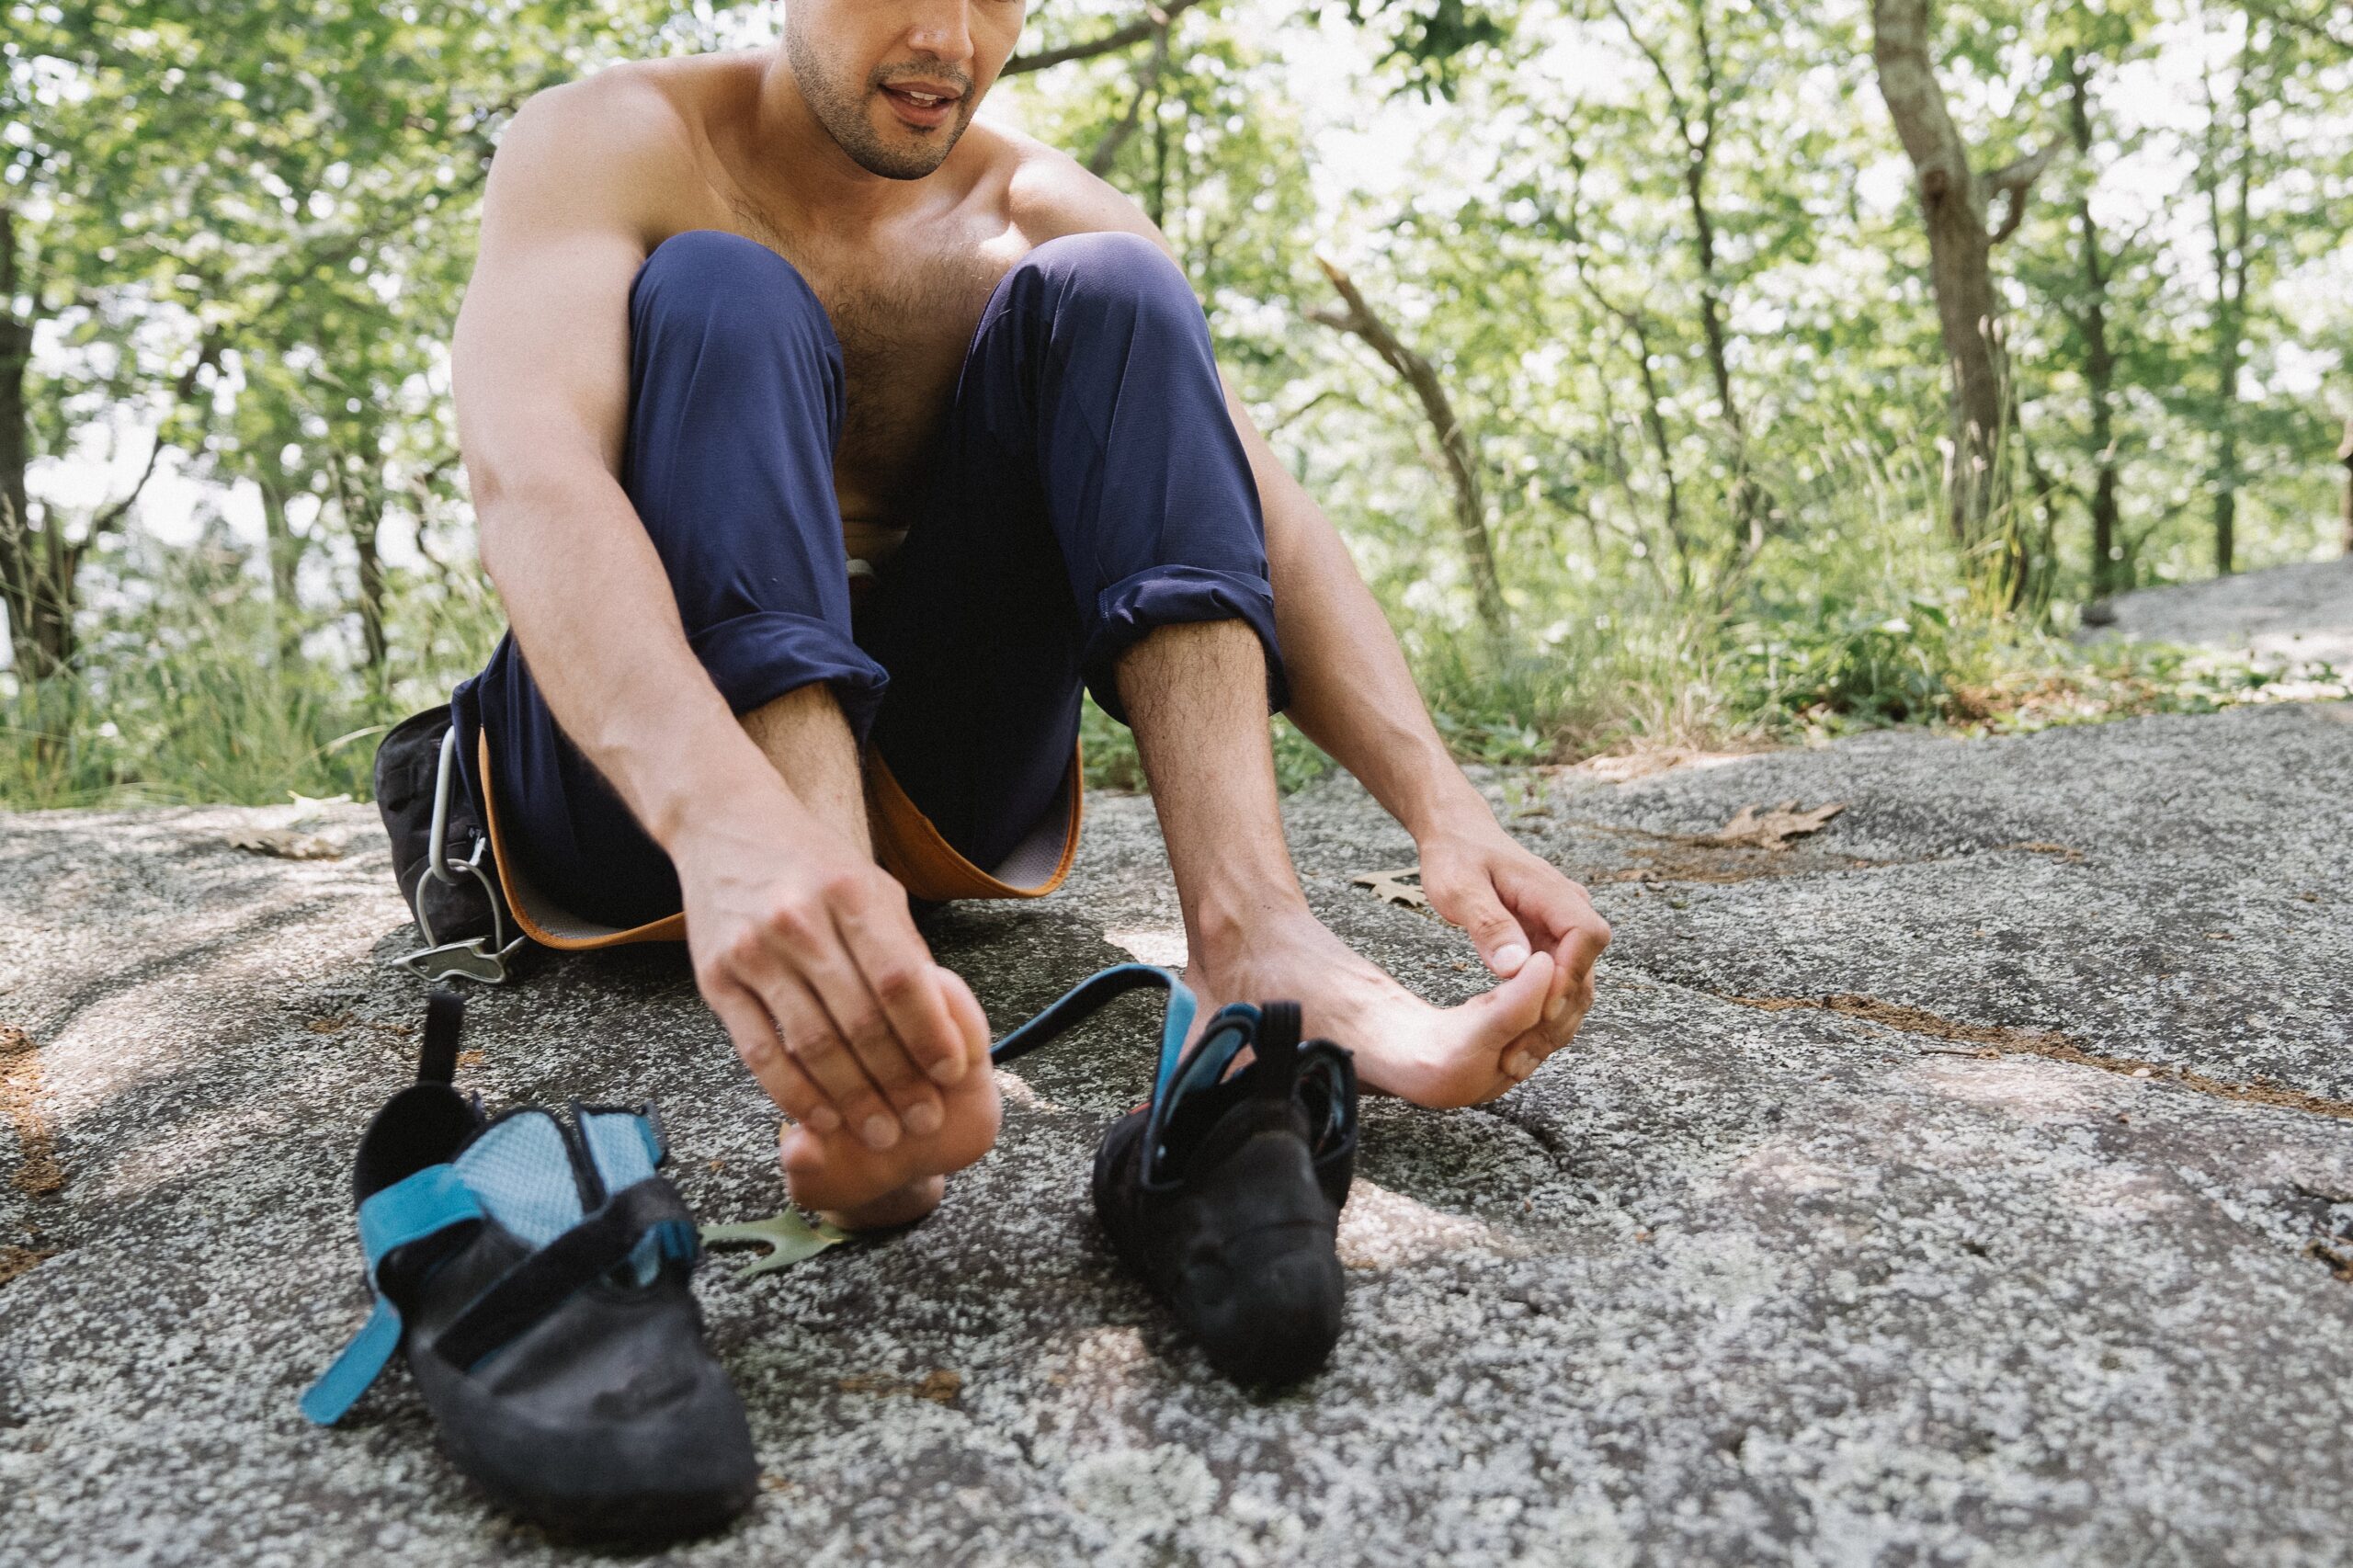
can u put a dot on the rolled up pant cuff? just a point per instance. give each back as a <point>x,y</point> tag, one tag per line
<point>757,658</point>
<point>1129,610</point>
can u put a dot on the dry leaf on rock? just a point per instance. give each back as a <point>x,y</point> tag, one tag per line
<point>287,845</point>
<point>1390,888</point>
<point>1770,829</point>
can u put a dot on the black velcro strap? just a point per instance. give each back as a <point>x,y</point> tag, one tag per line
<point>444,1014</point>
<point>1075,1005</point>
<point>537,1285</point>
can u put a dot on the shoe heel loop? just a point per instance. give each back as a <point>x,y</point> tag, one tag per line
<point>445,1016</point>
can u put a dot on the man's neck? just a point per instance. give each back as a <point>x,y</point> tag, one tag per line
<point>824,181</point>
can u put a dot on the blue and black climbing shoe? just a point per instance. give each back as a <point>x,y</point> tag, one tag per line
<point>1223,1192</point>
<point>535,1274</point>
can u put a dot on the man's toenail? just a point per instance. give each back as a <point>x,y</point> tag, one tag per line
<point>1520,1065</point>
<point>1555,1007</point>
<point>823,1118</point>
<point>948,1070</point>
<point>880,1132</point>
<point>923,1119</point>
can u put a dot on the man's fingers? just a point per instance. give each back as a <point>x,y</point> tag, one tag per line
<point>811,1036</point>
<point>972,1023</point>
<point>757,1042</point>
<point>860,1021</point>
<point>898,970</point>
<point>1558,914</point>
<point>1502,945</point>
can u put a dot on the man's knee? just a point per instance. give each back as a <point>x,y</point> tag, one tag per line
<point>1115,275</point>
<point>714,292</point>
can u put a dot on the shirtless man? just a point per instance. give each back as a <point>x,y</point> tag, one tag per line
<point>759,343</point>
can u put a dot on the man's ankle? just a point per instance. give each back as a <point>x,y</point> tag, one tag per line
<point>1220,927</point>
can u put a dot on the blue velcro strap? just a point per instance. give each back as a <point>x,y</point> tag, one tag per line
<point>430,1202</point>
<point>348,1375</point>
<point>1091,993</point>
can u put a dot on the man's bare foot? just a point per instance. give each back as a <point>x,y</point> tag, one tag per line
<point>858,1187</point>
<point>1440,1057</point>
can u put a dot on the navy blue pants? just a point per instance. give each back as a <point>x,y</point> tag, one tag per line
<point>1086,486</point>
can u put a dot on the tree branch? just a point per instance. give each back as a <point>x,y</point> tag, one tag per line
<point>208,352</point>
<point>1098,162</point>
<point>1155,18</point>
<point>2013,181</point>
<point>1454,442</point>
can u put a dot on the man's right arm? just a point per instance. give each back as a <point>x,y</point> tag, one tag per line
<point>541,370</point>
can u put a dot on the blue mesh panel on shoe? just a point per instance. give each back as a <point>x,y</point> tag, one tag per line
<point>522,1173</point>
<point>621,1145</point>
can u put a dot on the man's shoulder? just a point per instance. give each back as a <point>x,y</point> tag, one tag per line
<point>632,130</point>
<point>1051,194</point>
<point>649,106</point>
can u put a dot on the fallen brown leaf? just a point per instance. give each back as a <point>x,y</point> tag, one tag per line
<point>1769,828</point>
<point>1390,887</point>
<point>287,845</point>
<point>37,1171</point>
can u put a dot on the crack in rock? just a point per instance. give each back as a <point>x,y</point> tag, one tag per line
<point>2001,1040</point>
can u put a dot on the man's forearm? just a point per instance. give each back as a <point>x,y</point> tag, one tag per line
<point>592,610</point>
<point>1351,691</point>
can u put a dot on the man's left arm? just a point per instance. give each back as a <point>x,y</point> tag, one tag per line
<point>1352,693</point>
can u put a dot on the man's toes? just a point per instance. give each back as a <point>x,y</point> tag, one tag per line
<point>904,1207</point>
<point>1517,1006</point>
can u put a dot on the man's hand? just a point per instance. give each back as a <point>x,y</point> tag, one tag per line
<point>806,951</point>
<point>1514,904</point>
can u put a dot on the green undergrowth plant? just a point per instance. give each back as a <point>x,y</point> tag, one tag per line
<point>199,689</point>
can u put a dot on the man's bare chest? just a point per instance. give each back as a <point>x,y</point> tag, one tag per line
<point>904,316</point>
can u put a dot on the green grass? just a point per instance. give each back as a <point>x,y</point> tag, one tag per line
<point>194,692</point>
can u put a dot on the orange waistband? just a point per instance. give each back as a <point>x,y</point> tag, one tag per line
<point>906,844</point>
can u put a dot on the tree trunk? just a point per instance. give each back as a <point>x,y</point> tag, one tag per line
<point>2344,456</point>
<point>2099,355</point>
<point>361,501</point>
<point>364,524</point>
<point>2229,233</point>
<point>1454,446</point>
<point>1696,132</point>
<point>285,559</point>
<point>20,565</point>
<point>1953,201</point>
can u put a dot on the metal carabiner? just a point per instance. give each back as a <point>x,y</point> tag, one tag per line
<point>468,960</point>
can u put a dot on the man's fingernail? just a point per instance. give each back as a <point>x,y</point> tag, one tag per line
<point>923,1119</point>
<point>948,1070</point>
<point>823,1119</point>
<point>1555,1007</point>
<point>1509,957</point>
<point>1520,1065</point>
<point>880,1132</point>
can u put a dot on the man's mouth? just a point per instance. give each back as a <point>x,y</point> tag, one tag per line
<point>922,106</point>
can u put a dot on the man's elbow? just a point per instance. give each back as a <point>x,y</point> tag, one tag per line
<point>510,502</point>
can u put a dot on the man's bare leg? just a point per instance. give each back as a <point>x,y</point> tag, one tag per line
<point>1195,695</point>
<point>805,738</point>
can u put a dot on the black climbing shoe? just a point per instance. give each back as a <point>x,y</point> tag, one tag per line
<point>1223,1192</point>
<point>535,1273</point>
<point>459,908</point>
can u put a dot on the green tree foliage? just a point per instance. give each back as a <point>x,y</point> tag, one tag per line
<point>1664,265</point>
